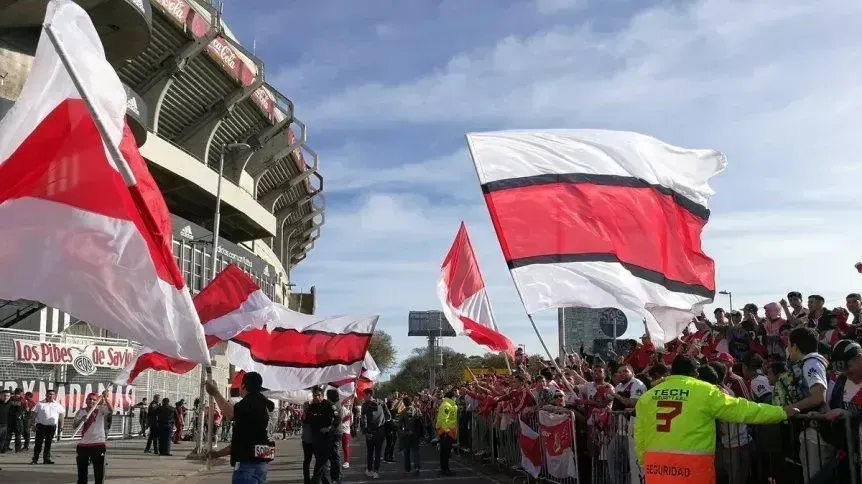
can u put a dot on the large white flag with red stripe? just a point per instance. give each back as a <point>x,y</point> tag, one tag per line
<point>73,235</point>
<point>290,350</point>
<point>461,291</point>
<point>299,350</point>
<point>595,218</point>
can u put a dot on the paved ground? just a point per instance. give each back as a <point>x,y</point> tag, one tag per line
<point>128,464</point>
<point>287,469</point>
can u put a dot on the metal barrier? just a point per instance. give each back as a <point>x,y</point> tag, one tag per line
<point>496,441</point>
<point>807,449</point>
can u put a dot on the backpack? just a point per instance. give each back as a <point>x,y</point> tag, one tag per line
<point>410,423</point>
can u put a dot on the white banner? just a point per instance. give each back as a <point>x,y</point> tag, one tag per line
<point>72,395</point>
<point>84,358</point>
<point>557,433</point>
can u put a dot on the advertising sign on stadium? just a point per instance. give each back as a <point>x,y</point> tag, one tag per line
<point>83,358</point>
<point>178,9</point>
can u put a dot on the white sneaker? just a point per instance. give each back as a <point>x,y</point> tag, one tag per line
<point>369,473</point>
<point>346,465</point>
<point>375,475</point>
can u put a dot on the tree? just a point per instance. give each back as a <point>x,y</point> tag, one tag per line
<point>382,350</point>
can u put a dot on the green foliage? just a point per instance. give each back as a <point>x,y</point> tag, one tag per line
<point>414,372</point>
<point>382,350</point>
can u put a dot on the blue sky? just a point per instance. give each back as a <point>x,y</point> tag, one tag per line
<point>388,89</point>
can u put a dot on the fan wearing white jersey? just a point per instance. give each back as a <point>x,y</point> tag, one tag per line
<point>92,446</point>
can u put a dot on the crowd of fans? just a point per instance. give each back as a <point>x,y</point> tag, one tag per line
<point>785,353</point>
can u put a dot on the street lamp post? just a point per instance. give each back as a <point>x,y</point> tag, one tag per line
<point>729,295</point>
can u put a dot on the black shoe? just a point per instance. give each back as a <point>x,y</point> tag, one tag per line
<point>48,462</point>
<point>34,461</point>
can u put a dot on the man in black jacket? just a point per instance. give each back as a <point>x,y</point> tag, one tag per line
<point>251,448</point>
<point>152,423</point>
<point>165,416</point>
<point>324,419</point>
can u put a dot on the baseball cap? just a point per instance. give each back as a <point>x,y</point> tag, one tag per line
<point>843,352</point>
<point>724,358</point>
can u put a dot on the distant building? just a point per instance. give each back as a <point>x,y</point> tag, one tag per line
<point>592,327</point>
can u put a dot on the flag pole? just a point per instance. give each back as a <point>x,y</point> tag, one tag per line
<point>122,166</point>
<point>529,316</point>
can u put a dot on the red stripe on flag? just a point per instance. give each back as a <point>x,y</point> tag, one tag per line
<point>486,336</point>
<point>159,362</point>
<point>224,295</point>
<point>63,160</point>
<point>309,349</point>
<point>638,226</point>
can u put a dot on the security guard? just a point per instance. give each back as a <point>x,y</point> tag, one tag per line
<point>447,429</point>
<point>674,428</point>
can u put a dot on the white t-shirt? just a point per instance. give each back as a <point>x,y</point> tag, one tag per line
<point>634,387</point>
<point>48,413</point>
<point>732,435</point>
<point>94,434</point>
<point>850,391</point>
<point>346,418</point>
<point>814,373</point>
<point>760,386</point>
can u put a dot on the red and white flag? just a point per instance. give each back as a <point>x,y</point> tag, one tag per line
<point>531,451</point>
<point>557,441</point>
<point>355,386</point>
<point>73,235</point>
<point>228,305</point>
<point>299,351</point>
<point>461,291</point>
<point>595,218</point>
<point>292,351</point>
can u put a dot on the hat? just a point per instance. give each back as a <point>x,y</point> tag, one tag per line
<point>843,352</point>
<point>724,358</point>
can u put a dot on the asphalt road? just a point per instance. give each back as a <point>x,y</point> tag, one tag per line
<point>287,469</point>
<point>128,464</point>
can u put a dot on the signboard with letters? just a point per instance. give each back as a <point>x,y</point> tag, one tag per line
<point>230,252</point>
<point>84,358</point>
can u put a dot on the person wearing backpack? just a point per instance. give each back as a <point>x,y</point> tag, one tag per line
<point>374,416</point>
<point>411,428</point>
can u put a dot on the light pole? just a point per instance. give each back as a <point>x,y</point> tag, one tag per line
<point>729,295</point>
<point>213,268</point>
<point>288,255</point>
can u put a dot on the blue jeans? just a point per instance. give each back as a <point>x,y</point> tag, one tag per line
<point>250,473</point>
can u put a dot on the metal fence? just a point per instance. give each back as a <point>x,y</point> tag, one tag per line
<point>807,449</point>
<point>72,386</point>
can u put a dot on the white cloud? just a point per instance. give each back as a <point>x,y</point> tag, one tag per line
<point>773,83</point>
<point>550,7</point>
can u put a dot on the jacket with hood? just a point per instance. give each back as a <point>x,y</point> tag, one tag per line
<point>374,415</point>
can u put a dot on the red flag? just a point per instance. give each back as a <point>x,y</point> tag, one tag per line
<point>74,235</point>
<point>461,291</point>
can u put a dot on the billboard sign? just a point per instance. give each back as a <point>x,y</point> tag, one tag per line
<point>428,323</point>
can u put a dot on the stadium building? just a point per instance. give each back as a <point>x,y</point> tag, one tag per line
<point>194,94</point>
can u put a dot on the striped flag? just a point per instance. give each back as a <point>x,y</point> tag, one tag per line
<point>228,305</point>
<point>595,218</point>
<point>462,294</point>
<point>75,234</point>
<point>290,350</point>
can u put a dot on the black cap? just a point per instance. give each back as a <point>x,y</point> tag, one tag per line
<point>844,351</point>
